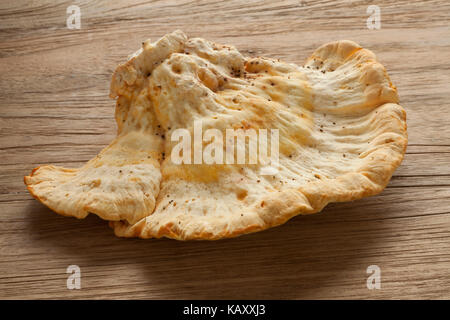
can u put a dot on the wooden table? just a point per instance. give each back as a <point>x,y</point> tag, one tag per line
<point>54,85</point>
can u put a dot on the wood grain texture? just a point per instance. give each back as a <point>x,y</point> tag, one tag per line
<point>54,108</point>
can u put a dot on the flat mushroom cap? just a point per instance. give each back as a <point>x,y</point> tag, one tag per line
<point>341,136</point>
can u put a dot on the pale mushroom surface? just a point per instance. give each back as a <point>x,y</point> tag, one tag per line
<point>341,130</point>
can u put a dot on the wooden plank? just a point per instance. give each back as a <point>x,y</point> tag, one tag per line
<point>313,256</point>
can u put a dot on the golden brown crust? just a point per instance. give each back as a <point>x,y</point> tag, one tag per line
<point>342,135</point>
